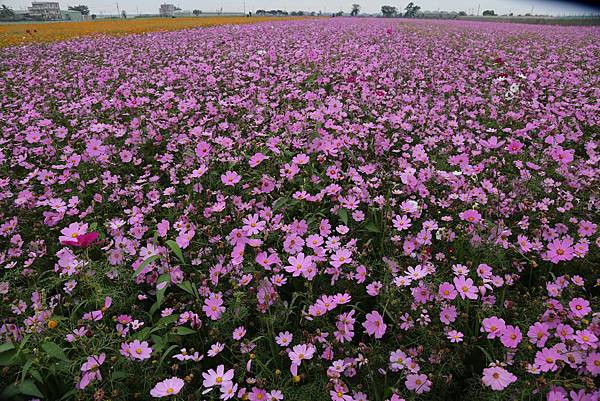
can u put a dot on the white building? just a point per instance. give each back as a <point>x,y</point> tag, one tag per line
<point>167,10</point>
<point>46,10</point>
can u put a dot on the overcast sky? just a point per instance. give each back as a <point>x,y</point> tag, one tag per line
<point>368,6</point>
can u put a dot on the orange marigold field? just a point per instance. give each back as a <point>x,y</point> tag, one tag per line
<point>14,34</point>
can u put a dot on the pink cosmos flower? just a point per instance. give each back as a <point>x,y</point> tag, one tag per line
<point>339,393</point>
<point>284,339</point>
<point>471,215</point>
<point>447,291</point>
<point>213,307</point>
<point>401,223</point>
<point>341,256</point>
<point>465,287</point>
<point>514,147</point>
<point>217,377</point>
<point>230,178</point>
<point>257,394</point>
<point>71,232</point>
<point>298,264</point>
<point>167,387</point>
<point>203,149</point>
<point>586,339</point>
<point>418,383</point>
<point>494,326</point>
<point>511,336</point>
<point>497,378</point>
<point>580,307</point>
<point>455,336</point>
<point>592,363</point>
<point>91,370</point>
<point>239,333</point>
<point>448,314</point>
<point>301,352</point>
<point>228,391</point>
<point>559,250</point>
<point>538,334</point>
<point>374,324</point>
<point>547,360</point>
<point>137,350</point>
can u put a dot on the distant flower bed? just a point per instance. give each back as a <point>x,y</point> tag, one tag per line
<point>344,209</point>
<point>36,32</point>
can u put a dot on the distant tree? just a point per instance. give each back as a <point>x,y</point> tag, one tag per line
<point>6,12</point>
<point>489,13</point>
<point>83,9</point>
<point>123,14</point>
<point>355,10</point>
<point>260,12</point>
<point>389,11</point>
<point>462,13</point>
<point>197,12</point>
<point>93,16</point>
<point>411,10</point>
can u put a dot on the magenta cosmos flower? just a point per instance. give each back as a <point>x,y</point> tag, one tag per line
<point>167,387</point>
<point>374,324</point>
<point>82,241</point>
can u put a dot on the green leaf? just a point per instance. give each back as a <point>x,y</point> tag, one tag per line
<point>145,263</point>
<point>6,347</point>
<point>119,374</point>
<point>9,392</point>
<point>28,387</point>
<point>25,368</point>
<point>7,358</point>
<point>176,250</point>
<point>184,331</point>
<point>36,375</point>
<point>165,354</point>
<point>165,321</point>
<point>142,334</point>
<point>343,213</point>
<point>54,351</point>
<point>371,226</point>
<point>187,287</point>
<point>279,203</point>
<point>487,355</point>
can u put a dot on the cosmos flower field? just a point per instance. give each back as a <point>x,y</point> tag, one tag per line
<point>331,209</point>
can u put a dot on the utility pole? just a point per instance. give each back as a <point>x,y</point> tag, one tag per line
<point>118,11</point>
<point>244,7</point>
<point>478,7</point>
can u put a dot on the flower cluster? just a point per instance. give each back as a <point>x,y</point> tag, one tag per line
<point>344,209</point>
